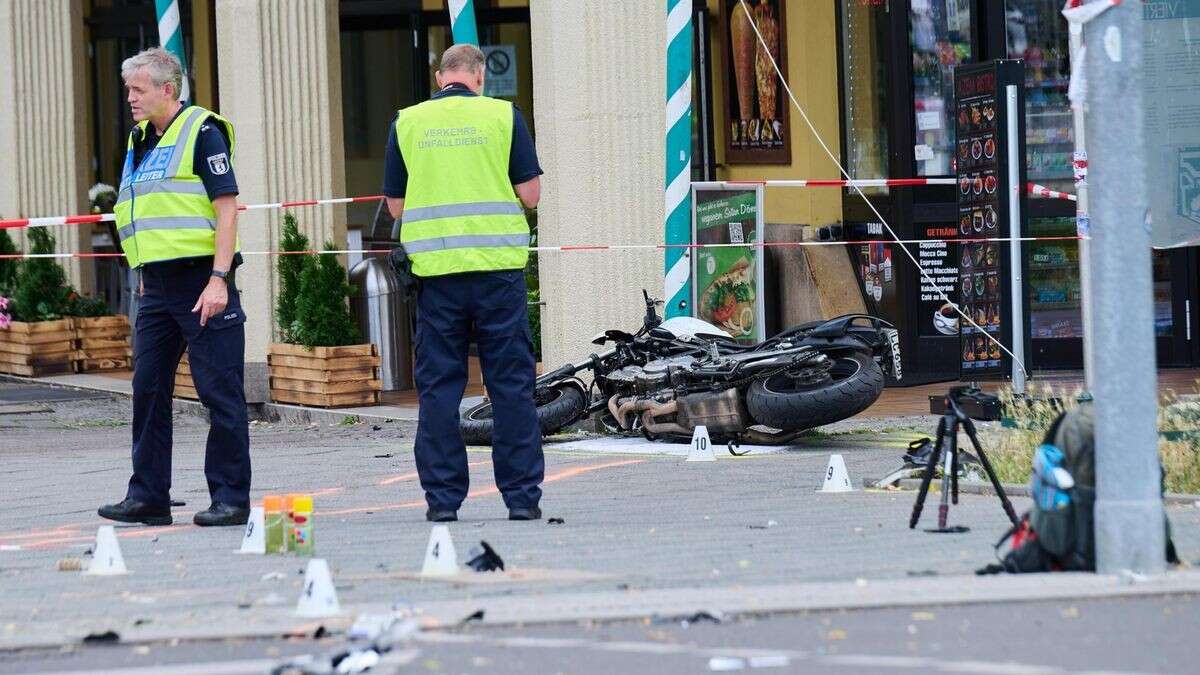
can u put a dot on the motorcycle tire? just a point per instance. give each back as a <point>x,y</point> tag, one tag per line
<point>564,405</point>
<point>855,383</point>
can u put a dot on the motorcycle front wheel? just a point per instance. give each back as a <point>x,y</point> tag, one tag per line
<point>849,387</point>
<point>563,404</point>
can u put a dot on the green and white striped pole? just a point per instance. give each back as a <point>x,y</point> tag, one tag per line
<point>170,36</point>
<point>678,281</point>
<point>462,22</point>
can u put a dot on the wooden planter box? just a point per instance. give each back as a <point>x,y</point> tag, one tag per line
<point>327,377</point>
<point>102,343</point>
<point>38,348</point>
<point>184,387</point>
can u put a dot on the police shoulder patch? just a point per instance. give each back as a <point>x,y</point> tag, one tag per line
<point>219,164</point>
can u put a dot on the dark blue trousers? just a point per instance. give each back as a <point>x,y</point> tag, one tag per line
<point>491,309</point>
<point>216,354</point>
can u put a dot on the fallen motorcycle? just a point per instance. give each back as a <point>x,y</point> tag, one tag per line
<point>675,375</point>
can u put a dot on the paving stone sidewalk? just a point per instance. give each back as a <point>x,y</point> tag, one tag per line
<point>635,523</point>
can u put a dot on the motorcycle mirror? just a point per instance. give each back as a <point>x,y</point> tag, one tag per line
<point>599,339</point>
<point>618,336</point>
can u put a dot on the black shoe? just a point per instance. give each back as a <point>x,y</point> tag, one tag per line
<point>441,515</point>
<point>525,513</point>
<point>222,515</point>
<point>133,511</point>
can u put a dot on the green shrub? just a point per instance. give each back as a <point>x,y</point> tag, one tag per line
<point>535,322</point>
<point>8,266</point>
<point>40,292</point>
<point>533,287</point>
<point>86,306</point>
<point>289,268</point>
<point>322,316</point>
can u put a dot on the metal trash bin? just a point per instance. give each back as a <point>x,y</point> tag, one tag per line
<point>382,313</point>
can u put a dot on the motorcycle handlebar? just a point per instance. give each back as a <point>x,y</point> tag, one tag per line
<point>572,369</point>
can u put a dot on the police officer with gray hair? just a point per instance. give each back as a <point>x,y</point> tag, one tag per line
<point>176,217</point>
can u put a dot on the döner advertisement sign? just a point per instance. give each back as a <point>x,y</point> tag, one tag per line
<point>728,273</point>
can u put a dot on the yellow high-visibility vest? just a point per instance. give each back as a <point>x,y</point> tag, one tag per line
<point>461,213</point>
<point>163,211</point>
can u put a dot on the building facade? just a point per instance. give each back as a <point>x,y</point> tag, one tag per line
<point>312,84</point>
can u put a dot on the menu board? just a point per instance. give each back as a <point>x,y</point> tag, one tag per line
<point>939,260</point>
<point>728,276</point>
<point>983,181</point>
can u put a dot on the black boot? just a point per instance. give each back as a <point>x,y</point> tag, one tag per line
<point>133,511</point>
<point>222,515</point>
<point>525,513</point>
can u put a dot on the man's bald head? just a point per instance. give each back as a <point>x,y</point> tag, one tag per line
<point>462,64</point>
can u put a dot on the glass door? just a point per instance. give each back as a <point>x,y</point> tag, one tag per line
<point>941,34</point>
<point>1175,318</point>
<point>865,56</point>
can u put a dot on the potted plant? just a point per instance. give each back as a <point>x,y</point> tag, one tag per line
<point>320,359</point>
<point>38,335</point>
<point>102,339</point>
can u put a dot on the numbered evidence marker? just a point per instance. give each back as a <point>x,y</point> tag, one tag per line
<point>254,542</point>
<point>107,559</point>
<point>318,599</point>
<point>440,557</point>
<point>837,479</point>
<point>702,449</point>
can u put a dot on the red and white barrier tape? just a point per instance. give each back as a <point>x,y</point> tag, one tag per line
<point>569,248</point>
<point>1034,190</point>
<point>108,217</point>
<point>836,182</point>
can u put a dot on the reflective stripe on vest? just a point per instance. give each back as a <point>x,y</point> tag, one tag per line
<point>163,211</point>
<point>167,223</point>
<point>467,241</point>
<point>461,213</point>
<point>458,210</point>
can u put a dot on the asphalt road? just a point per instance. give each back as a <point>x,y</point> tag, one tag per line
<point>644,532</point>
<point>1142,635</point>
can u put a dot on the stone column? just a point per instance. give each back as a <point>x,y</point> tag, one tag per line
<point>599,77</point>
<point>280,85</point>
<point>43,123</point>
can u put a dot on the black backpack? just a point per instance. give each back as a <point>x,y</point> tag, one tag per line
<point>1057,533</point>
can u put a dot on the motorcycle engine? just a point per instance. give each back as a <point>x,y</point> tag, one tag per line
<point>656,375</point>
<point>636,380</point>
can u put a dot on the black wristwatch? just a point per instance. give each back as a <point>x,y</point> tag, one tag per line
<point>218,274</point>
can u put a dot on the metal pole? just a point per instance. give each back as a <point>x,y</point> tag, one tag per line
<point>677,284</point>
<point>1014,241</point>
<point>1129,511</point>
<point>1082,219</point>
<point>170,36</point>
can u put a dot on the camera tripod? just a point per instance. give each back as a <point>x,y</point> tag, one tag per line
<point>946,446</point>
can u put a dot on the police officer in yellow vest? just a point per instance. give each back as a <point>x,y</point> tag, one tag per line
<point>177,220</point>
<point>458,169</point>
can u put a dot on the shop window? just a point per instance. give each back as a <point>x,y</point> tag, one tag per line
<point>865,87</point>
<point>940,34</point>
<point>1054,285</point>
<point>1037,33</point>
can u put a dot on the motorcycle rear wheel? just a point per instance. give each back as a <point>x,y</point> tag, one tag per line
<point>564,404</point>
<point>853,383</point>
